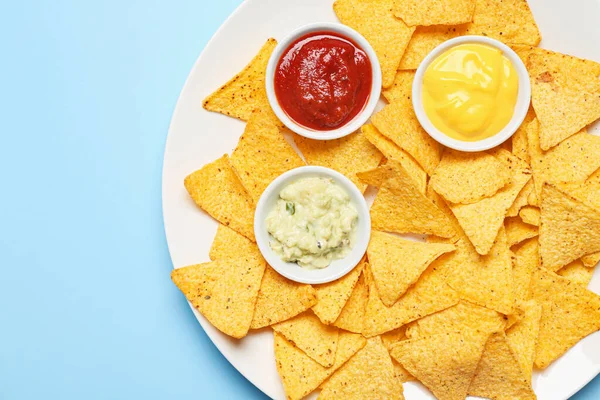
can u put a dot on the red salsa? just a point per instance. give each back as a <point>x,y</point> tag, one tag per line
<point>323,80</point>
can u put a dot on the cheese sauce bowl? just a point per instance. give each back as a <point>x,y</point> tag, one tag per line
<point>338,267</point>
<point>289,49</point>
<point>520,109</point>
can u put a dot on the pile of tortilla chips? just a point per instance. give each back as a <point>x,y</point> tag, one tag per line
<point>497,289</point>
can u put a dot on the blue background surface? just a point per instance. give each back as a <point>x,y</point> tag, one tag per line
<point>87,309</point>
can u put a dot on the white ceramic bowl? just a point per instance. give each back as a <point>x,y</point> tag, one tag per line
<point>361,117</point>
<point>293,271</point>
<point>523,96</point>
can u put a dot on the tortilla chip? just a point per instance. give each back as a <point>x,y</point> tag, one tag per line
<point>332,296</point>
<point>565,93</point>
<point>469,177</point>
<point>230,244</point>
<point>518,231</point>
<point>508,21</point>
<point>400,206</point>
<point>573,160</point>
<point>499,375</point>
<point>216,189</point>
<point>392,337</point>
<point>522,199</point>
<point>522,337</point>
<point>484,280</point>
<point>352,315</point>
<point>262,154</point>
<point>462,315</point>
<point>569,313</point>
<point>425,39</point>
<point>445,363</point>
<point>577,272</point>
<point>306,332</point>
<point>443,206</point>
<point>434,12</point>
<point>591,260</point>
<point>569,229</point>
<point>226,300</point>
<point>401,89</point>
<point>429,295</point>
<point>301,374</point>
<point>280,299</point>
<point>396,263</point>
<point>374,20</point>
<point>348,155</point>
<point>589,193</point>
<point>520,148</point>
<point>194,280</point>
<point>397,121</point>
<point>530,215</point>
<point>246,91</point>
<point>525,263</point>
<point>392,152</point>
<point>367,375</point>
<point>595,177</point>
<point>482,220</point>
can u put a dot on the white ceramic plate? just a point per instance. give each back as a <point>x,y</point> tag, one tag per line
<point>197,137</point>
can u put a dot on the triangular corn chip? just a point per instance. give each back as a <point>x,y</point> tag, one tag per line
<point>435,12</point>
<point>367,375</point>
<point>509,21</point>
<point>400,207</point>
<point>245,92</point>
<point>332,296</point>
<point>352,316</point>
<point>401,89</point>
<point>573,160</point>
<point>230,244</point>
<point>262,154</point>
<point>530,215</point>
<point>577,272</point>
<point>589,193</point>
<point>445,363</point>
<point>522,199</point>
<point>389,339</point>
<point>469,177</point>
<point>348,155</point>
<point>526,262</point>
<point>499,375</point>
<point>484,280</point>
<point>280,299</point>
<point>569,313</point>
<point>462,315</point>
<point>482,220</point>
<point>569,229</point>
<point>522,336</point>
<point>317,340</point>
<point>216,189</point>
<point>564,101</point>
<point>396,263</point>
<point>425,39</point>
<point>429,295</point>
<point>397,121</point>
<point>520,147</point>
<point>228,302</point>
<point>387,34</point>
<point>518,231</point>
<point>300,373</point>
<point>591,260</point>
<point>392,152</point>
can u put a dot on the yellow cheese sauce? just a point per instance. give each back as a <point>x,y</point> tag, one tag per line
<point>470,91</point>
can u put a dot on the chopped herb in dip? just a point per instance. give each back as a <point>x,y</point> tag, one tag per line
<point>313,223</point>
